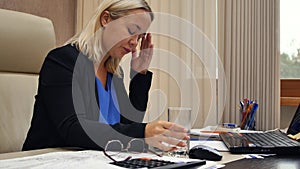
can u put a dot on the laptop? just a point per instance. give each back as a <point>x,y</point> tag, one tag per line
<point>270,142</point>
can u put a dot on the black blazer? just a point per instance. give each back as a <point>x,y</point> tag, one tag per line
<point>66,109</point>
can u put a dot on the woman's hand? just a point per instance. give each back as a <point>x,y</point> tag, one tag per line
<point>141,63</point>
<point>162,131</point>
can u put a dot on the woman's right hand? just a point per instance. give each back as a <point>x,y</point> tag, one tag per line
<point>162,131</point>
<point>141,63</point>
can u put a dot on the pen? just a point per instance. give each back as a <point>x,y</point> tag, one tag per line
<point>212,132</point>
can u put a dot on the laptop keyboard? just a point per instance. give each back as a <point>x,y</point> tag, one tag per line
<point>265,140</point>
<point>270,139</point>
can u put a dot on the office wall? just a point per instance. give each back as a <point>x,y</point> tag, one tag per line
<point>61,12</point>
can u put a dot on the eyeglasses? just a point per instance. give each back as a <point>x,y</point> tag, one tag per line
<point>135,145</point>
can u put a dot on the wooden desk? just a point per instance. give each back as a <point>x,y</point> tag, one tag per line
<point>266,163</point>
<point>227,157</point>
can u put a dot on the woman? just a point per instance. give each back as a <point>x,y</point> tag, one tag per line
<point>81,99</point>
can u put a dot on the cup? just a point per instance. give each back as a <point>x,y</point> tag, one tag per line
<point>182,117</point>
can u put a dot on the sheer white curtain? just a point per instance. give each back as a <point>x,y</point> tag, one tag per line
<point>248,44</point>
<point>184,73</point>
<point>177,86</point>
<point>85,10</point>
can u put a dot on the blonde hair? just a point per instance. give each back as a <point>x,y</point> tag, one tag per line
<point>89,40</point>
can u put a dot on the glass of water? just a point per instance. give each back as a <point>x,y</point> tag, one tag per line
<point>182,117</point>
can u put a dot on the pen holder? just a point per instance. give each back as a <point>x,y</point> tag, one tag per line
<point>251,126</point>
<point>248,109</point>
<point>248,124</point>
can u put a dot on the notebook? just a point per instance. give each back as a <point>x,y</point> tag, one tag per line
<point>271,142</point>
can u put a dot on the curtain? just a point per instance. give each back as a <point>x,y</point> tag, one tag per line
<point>248,44</point>
<point>184,61</point>
<point>85,10</point>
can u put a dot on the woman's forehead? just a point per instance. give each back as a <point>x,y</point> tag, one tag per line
<point>140,19</point>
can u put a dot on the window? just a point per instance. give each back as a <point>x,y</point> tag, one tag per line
<point>290,52</point>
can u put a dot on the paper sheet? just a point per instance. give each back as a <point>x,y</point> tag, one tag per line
<point>212,131</point>
<point>78,160</point>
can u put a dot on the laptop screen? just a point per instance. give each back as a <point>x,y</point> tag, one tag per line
<point>294,127</point>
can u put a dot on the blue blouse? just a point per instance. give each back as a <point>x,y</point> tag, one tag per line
<point>108,102</point>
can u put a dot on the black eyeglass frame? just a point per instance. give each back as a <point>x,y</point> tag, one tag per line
<point>126,149</point>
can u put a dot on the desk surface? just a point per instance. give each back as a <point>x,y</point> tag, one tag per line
<point>231,161</point>
<point>227,157</point>
<point>291,162</point>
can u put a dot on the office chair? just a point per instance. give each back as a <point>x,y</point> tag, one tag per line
<point>24,42</point>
